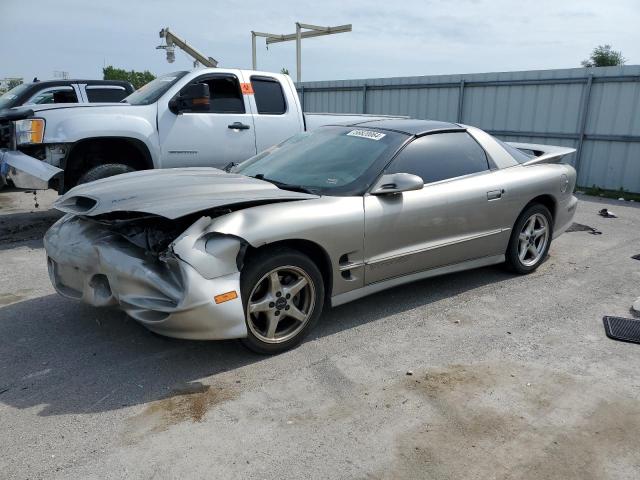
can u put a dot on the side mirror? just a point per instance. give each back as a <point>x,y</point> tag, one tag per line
<point>193,98</point>
<point>397,183</point>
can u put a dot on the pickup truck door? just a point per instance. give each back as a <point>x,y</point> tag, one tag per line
<point>224,134</point>
<point>276,110</point>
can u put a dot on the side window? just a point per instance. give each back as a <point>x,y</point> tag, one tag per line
<point>105,94</point>
<point>225,94</point>
<point>268,95</point>
<point>54,95</point>
<point>441,156</point>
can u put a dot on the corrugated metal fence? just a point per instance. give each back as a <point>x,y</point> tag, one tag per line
<point>597,111</point>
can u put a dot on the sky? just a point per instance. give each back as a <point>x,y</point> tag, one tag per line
<point>389,39</point>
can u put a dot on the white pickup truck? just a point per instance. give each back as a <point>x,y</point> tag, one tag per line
<point>207,117</point>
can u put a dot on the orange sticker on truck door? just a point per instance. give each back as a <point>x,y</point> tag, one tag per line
<point>247,88</point>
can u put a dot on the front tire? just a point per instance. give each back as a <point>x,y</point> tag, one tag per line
<point>530,239</point>
<point>283,297</point>
<point>104,171</point>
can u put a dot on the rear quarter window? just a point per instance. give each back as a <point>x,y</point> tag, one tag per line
<point>520,156</point>
<point>102,94</point>
<point>268,95</point>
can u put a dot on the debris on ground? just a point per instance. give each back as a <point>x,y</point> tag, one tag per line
<point>636,257</point>
<point>606,213</point>
<point>409,372</point>
<point>636,306</point>
<point>579,227</point>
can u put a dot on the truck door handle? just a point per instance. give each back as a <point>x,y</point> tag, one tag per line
<point>494,194</point>
<point>238,126</point>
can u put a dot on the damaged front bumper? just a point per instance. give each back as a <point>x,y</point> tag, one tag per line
<point>89,262</point>
<point>25,171</point>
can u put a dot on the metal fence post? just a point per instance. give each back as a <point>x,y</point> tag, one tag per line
<point>460,101</point>
<point>584,116</point>
<point>364,98</point>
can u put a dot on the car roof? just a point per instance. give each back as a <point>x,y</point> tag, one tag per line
<point>408,125</point>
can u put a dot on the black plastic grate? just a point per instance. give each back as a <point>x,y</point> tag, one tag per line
<point>624,329</point>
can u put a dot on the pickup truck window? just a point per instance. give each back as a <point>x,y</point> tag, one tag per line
<point>153,90</point>
<point>268,95</point>
<point>61,94</point>
<point>225,93</point>
<point>7,98</point>
<point>105,93</point>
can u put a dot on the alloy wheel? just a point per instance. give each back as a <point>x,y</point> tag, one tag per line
<point>533,239</point>
<point>280,304</point>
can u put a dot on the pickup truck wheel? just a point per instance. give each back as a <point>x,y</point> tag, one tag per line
<point>283,296</point>
<point>104,171</point>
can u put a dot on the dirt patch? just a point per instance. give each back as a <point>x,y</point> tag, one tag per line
<point>15,297</point>
<point>21,227</point>
<point>185,404</point>
<point>516,422</point>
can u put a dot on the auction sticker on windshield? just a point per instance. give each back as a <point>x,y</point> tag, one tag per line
<point>366,134</point>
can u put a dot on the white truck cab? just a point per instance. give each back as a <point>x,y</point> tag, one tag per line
<point>207,117</point>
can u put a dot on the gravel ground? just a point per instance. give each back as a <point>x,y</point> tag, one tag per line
<point>474,375</point>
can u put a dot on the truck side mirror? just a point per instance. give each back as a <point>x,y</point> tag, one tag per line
<point>193,98</point>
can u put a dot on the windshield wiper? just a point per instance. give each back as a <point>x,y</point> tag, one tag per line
<point>286,186</point>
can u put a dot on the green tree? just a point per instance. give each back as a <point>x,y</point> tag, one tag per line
<point>137,79</point>
<point>604,56</point>
<point>284,71</point>
<point>14,82</point>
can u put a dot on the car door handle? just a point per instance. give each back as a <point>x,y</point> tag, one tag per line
<point>238,126</point>
<point>495,194</point>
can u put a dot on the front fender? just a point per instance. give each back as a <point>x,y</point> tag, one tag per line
<point>334,223</point>
<point>69,126</point>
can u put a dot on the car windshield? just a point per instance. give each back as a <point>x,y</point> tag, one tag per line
<point>330,160</point>
<point>153,90</point>
<point>7,100</point>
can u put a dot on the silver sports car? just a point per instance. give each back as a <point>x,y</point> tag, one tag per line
<point>324,218</point>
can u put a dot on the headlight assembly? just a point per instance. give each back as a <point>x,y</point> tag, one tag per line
<point>29,131</point>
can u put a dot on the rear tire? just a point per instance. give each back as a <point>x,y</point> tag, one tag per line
<point>104,171</point>
<point>283,296</point>
<point>530,239</point>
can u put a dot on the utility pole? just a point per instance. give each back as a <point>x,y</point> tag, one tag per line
<point>311,31</point>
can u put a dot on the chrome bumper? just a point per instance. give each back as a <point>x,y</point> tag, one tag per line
<point>25,171</point>
<point>87,262</point>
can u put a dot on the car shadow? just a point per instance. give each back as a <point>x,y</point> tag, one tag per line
<point>68,357</point>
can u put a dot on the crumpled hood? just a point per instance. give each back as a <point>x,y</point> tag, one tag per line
<point>171,193</point>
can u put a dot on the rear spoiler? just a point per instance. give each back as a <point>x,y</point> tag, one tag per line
<point>542,153</point>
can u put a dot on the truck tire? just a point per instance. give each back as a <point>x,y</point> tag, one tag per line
<point>104,171</point>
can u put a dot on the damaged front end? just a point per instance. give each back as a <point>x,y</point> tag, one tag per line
<point>167,274</point>
<point>37,169</point>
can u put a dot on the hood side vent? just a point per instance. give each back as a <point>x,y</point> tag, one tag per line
<point>77,204</point>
